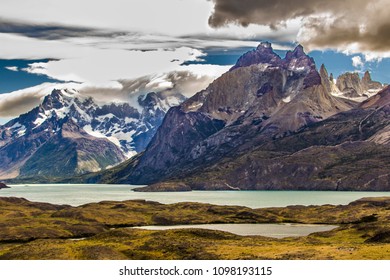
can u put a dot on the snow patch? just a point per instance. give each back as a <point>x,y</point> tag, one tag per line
<point>131,120</point>
<point>17,125</point>
<point>61,113</point>
<point>21,131</point>
<point>39,121</point>
<point>115,137</point>
<point>195,106</point>
<point>287,99</point>
<point>104,117</point>
<point>88,129</point>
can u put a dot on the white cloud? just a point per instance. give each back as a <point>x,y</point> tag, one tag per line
<point>12,68</point>
<point>103,66</point>
<point>357,62</point>
<point>175,17</point>
<point>99,64</point>
<point>187,80</point>
<point>117,67</point>
<point>19,47</point>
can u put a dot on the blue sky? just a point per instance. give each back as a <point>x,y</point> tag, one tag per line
<point>115,50</point>
<point>16,79</point>
<point>336,63</point>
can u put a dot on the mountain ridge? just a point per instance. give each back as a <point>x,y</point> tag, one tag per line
<point>67,123</point>
<point>261,101</point>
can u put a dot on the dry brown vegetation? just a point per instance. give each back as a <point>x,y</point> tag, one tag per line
<point>101,231</point>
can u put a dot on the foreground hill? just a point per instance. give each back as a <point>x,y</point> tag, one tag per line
<point>32,230</point>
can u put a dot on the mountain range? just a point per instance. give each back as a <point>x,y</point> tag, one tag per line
<point>70,134</point>
<point>270,123</point>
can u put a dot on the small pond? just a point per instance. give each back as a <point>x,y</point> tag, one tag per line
<point>268,230</point>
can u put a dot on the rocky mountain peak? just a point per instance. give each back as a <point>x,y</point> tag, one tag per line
<point>325,80</point>
<point>264,53</point>
<point>67,119</point>
<point>352,86</point>
<point>150,100</point>
<point>296,53</point>
<point>323,71</point>
<point>367,77</point>
<point>60,98</point>
<point>299,60</point>
<point>265,45</point>
<point>296,60</point>
<point>368,84</point>
<point>53,100</point>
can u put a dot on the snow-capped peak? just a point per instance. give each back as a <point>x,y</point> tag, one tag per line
<point>128,128</point>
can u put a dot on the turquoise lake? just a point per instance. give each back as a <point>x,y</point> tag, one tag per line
<point>81,194</point>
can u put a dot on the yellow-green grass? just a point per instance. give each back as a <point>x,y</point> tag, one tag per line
<point>100,231</point>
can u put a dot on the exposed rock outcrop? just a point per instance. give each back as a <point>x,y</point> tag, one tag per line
<point>3,186</point>
<point>351,86</point>
<point>369,84</point>
<point>165,187</point>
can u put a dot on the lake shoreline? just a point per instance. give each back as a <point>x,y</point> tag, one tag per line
<point>276,230</point>
<point>80,194</point>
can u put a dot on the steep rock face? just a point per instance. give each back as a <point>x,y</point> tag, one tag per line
<point>327,81</point>
<point>57,149</point>
<point>3,186</point>
<point>325,78</point>
<point>351,86</point>
<point>348,151</point>
<point>379,103</point>
<point>369,84</point>
<point>262,54</point>
<point>155,106</point>
<point>379,100</point>
<point>18,143</point>
<point>70,152</point>
<point>183,131</point>
<point>261,98</point>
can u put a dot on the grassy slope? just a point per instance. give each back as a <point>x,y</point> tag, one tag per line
<point>45,231</point>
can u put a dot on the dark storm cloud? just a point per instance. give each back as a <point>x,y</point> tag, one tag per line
<point>264,12</point>
<point>331,23</point>
<point>376,39</point>
<point>183,82</point>
<point>51,31</point>
<point>13,105</point>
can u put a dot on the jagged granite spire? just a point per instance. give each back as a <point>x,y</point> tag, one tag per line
<point>368,83</point>
<point>331,78</point>
<point>262,54</point>
<point>296,53</point>
<point>325,78</point>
